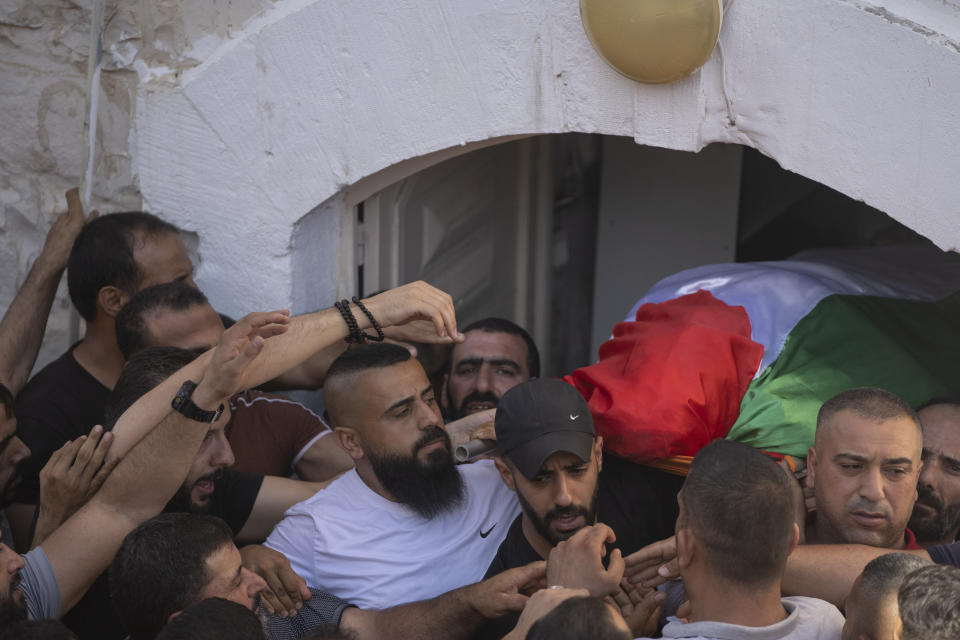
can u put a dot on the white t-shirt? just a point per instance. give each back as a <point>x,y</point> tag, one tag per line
<point>374,553</point>
<point>807,619</point>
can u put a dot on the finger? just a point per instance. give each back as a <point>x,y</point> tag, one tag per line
<point>665,573</point>
<point>684,610</point>
<point>284,603</point>
<point>643,610</point>
<point>105,470</point>
<point>93,215</point>
<point>86,450</point>
<point>449,316</point>
<point>295,586</point>
<point>657,553</point>
<point>621,599</point>
<point>257,319</point>
<point>615,565</point>
<point>270,602</point>
<point>96,460</point>
<point>68,453</point>
<point>74,205</point>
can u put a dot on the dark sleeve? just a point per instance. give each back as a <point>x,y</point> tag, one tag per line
<point>946,554</point>
<point>234,497</point>
<point>322,609</point>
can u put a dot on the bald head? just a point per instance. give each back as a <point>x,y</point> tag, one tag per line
<point>868,403</point>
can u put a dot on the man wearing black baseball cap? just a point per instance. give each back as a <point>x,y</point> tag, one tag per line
<point>552,458</point>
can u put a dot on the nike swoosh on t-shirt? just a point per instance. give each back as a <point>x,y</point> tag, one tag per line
<point>485,534</point>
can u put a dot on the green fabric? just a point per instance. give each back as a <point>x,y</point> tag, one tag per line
<point>907,347</point>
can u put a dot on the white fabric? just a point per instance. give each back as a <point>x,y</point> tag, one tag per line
<point>807,619</point>
<point>374,553</point>
<point>39,585</point>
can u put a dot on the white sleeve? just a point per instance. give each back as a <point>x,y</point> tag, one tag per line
<point>294,537</point>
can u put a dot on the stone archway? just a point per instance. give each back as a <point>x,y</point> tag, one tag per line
<point>256,148</point>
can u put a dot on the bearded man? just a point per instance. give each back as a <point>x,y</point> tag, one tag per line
<point>406,523</point>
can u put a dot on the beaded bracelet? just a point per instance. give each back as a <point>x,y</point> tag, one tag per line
<point>376,325</point>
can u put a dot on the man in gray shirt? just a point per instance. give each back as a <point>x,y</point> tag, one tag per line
<point>735,531</point>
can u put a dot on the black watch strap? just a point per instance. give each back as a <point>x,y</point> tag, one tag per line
<point>183,403</point>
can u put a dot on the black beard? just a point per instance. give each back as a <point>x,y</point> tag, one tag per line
<point>7,493</point>
<point>542,525</point>
<point>11,611</point>
<point>934,527</point>
<point>428,488</point>
<point>182,502</point>
<point>476,396</point>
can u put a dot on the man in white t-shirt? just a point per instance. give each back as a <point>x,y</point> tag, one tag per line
<point>406,524</point>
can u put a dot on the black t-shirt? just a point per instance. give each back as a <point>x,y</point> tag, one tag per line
<point>60,403</point>
<point>946,554</point>
<point>94,617</point>
<point>639,503</point>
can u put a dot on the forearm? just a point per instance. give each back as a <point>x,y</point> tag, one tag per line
<point>21,331</point>
<point>47,522</point>
<point>449,616</point>
<point>828,571</point>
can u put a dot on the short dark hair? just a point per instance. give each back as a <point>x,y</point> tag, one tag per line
<point>130,323</point>
<point>38,630</point>
<point>929,602</point>
<point>214,619</point>
<point>144,370</point>
<point>376,355</point>
<point>575,618</point>
<point>161,568</point>
<point>502,325</point>
<point>7,400</point>
<point>741,508</point>
<point>867,402</point>
<point>102,256</point>
<point>883,576</point>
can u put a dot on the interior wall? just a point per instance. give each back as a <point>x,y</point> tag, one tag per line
<point>661,211</point>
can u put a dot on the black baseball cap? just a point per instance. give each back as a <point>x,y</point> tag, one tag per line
<point>536,419</point>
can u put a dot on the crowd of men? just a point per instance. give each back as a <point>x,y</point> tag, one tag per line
<point>156,486</point>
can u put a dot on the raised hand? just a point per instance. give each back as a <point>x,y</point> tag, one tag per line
<point>653,565</point>
<point>578,562</point>
<point>59,242</point>
<point>415,312</point>
<point>238,347</point>
<point>73,474</point>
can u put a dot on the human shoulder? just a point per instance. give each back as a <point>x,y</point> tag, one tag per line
<point>815,618</point>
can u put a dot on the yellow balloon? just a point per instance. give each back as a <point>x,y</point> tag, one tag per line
<point>653,41</point>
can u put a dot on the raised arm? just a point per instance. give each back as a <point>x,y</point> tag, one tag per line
<point>26,319</point>
<point>149,475</point>
<point>308,334</point>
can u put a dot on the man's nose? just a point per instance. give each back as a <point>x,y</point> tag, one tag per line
<point>871,485</point>
<point>928,475</point>
<point>20,451</point>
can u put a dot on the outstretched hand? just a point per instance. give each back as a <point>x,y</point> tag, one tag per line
<point>505,592</point>
<point>416,312</point>
<point>238,347</point>
<point>578,562</point>
<point>652,565</point>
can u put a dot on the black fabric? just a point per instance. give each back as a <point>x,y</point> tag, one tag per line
<point>639,503</point>
<point>60,403</point>
<point>94,617</point>
<point>946,554</point>
<point>322,608</point>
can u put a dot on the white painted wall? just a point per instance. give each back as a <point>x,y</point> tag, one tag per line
<point>661,211</point>
<point>246,121</point>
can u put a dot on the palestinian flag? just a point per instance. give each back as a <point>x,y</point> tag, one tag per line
<point>750,351</point>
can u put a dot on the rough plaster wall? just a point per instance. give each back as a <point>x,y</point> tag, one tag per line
<point>43,61</point>
<point>313,96</point>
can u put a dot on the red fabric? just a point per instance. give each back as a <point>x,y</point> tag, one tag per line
<point>672,380</point>
<point>910,540</point>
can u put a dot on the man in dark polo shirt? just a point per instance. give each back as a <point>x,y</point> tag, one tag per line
<point>553,459</point>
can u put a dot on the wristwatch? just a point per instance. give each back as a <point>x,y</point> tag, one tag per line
<point>183,403</point>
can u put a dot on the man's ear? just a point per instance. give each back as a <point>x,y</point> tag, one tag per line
<point>795,540</point>
<point>350,440</point>
<point>111,299</point>
<point>174,615</point>
<point>686,547</point>
<point>505,473</point>
<point>598,452</point>
<point>811,467</point>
